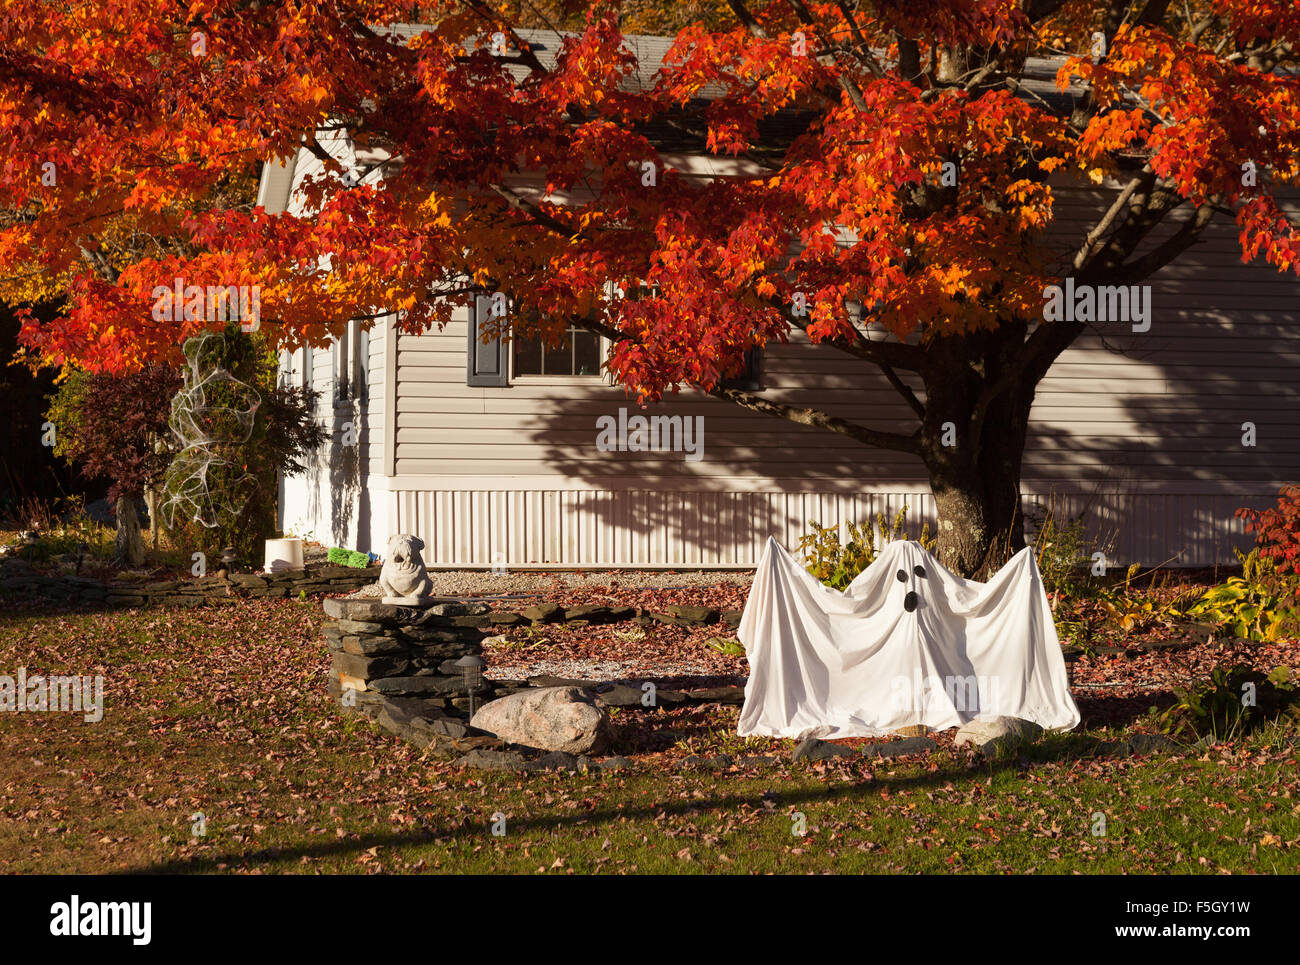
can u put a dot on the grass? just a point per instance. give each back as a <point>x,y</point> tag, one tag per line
<point>223,712</point>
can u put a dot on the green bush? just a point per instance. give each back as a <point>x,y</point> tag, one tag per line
<point>1258,605</point>
<point>1234,701</point>
<point>345,557</point>
<point>837,563</point>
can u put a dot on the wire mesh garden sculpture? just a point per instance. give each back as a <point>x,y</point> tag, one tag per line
<point>212,417</point>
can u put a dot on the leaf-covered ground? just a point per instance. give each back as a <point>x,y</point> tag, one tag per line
<point>223,712</point>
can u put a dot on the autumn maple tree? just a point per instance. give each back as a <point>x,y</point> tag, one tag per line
<point>891,187</point>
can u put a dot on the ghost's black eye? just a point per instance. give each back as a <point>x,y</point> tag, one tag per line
<point>919,571</point>
<point>902,576</point>
<point>909,601</point>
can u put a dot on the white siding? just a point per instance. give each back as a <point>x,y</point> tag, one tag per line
<point>1145,429</point>
<point>633,527</point>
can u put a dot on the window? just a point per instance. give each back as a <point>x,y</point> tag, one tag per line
<point>342,369</point>
<point>748,378</point>
<point>350,358</point>
<point>580,354</point>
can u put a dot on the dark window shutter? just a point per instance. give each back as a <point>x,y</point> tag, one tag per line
<point>747,380</point>
<point>486,360</point>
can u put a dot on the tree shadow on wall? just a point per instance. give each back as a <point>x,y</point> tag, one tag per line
<point>748,478</point>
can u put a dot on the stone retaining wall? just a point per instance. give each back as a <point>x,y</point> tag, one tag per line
<point>18,578</point>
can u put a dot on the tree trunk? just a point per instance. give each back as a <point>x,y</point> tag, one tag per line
<point>980,522</point>
<point>151,501</point>
<point>128,545</point>
<point>974,457</point>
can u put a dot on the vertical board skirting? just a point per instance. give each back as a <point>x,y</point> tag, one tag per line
<point>616,528</point>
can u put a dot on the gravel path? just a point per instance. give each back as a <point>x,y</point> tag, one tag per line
<point>463,583</point>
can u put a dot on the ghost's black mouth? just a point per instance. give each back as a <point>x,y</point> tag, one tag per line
<point>909,601</point>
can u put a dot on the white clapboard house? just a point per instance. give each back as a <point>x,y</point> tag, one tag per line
<point>490,453</point>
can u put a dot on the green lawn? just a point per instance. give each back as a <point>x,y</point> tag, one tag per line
<point>223,711</point>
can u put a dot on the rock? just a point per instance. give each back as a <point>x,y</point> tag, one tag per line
<point>497,619</point>
<point>360,626</point>
<point>732,618</point>
<point>615,764</point>
<point>486,760</point>
<point>546,680</point>
<point>419,686</point>
<point>429,636</point>
<point>549,718</point>
<point>622,696</point>
<point>719,762</point>
<point>669,697</point>
<point>721,695</point>
<point>1010,732</point>
<point>557,761</point>
<point>757,760</point>
<point>901,748</point>
<point>1151,743</point>
<point>544,613</point>
<point>1112,749</point>
<point>370,668</point>
<point>812,749</point>
<point>458,608</point>
<point>592,614</point>
<point>696,615</point>
<point>448,727</point>
<point>371,646</point>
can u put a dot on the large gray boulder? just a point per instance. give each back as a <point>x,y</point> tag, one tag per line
<point>997,735</point>
<point>548,718</point>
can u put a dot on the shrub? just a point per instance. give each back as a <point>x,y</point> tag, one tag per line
<point>1234,701</point>
<point>1061,551</point>
<point>230,480</point>
<point>1278,530</point>
<point>114,427</point>
<point>836,563</point>
<point>1258,605</point>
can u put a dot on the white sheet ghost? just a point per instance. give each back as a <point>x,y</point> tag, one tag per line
<point>906,643</point>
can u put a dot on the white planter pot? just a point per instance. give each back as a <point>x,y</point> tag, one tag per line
<point>283,554</point>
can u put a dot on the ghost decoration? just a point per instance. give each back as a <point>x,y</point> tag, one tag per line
<point>906,644</point>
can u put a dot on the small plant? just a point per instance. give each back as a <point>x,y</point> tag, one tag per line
<point>1060,550</point>
<point>346,557</point>
<point>524,638</point>
<point>1253,606</point>
<point>301,529</point>
<point>837,563</point>
<point>726,646</point>
<point>1234,701</point>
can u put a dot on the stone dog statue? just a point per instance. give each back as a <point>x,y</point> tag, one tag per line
<point>403,578</point>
